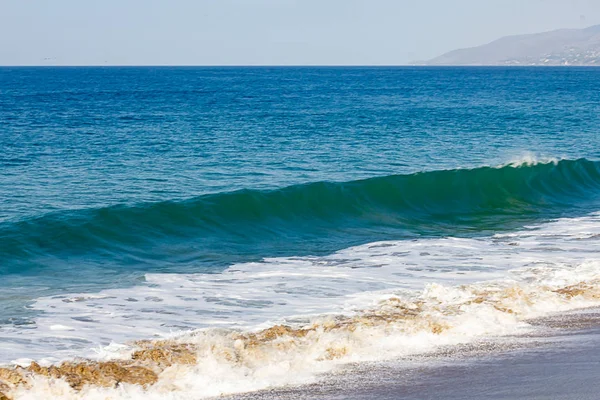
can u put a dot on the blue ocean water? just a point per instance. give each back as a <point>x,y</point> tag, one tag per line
<point>108,174</point>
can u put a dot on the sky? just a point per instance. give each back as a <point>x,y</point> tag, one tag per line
<point>267,32</point>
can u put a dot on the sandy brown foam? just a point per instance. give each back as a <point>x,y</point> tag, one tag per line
<point>153,357</point>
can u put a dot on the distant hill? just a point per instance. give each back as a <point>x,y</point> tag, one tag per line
<point>560,47</point>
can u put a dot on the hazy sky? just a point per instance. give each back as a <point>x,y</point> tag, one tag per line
<point>248,32</point>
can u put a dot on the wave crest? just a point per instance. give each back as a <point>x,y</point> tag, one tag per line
<point>310,218</point>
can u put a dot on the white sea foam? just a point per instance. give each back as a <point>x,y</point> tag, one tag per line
<point>354,302</point>
<point>527,159</point>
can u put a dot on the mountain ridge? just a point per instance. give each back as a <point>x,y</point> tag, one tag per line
<point>557,47</point>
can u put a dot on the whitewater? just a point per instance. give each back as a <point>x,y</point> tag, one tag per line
<point>373,302</point>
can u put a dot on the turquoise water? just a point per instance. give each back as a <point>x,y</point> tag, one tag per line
<point>108,174</point>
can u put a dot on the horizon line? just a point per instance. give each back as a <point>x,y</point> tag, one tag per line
<point>290,66</point>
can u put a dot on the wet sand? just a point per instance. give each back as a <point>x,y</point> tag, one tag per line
<point>561,362</point>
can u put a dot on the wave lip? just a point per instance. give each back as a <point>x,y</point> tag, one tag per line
<point>229,227</point>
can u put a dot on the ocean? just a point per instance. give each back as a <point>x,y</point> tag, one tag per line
<point>283,222</point>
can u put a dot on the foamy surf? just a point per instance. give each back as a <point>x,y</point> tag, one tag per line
<point>289,320</point>
<point>528,159</point>
<point>214,362</point>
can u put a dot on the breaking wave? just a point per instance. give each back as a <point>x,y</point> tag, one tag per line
<point>314,218</point>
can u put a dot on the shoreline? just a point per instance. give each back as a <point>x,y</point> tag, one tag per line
<point>559,362</point>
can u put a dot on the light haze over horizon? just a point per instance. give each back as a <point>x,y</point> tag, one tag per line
<point>268,32</point>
